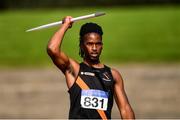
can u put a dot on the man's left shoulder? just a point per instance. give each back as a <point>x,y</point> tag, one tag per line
<point>115,73</point>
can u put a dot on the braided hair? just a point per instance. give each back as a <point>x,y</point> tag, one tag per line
<point>88,28</point>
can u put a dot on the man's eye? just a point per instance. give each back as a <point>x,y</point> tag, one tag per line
<point>89,43</point>
<point>100,43</point>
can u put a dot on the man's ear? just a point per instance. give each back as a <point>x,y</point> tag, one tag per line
<point>82,49</point>
<point>102,45</point>
<point>84,45</point>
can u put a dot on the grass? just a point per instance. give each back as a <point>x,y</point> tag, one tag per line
<point>133,34</point>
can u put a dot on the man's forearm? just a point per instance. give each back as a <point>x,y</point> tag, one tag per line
<point>128,113</point>
<point>54,44</point>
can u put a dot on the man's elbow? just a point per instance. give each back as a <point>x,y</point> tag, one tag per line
<point>52,51</point>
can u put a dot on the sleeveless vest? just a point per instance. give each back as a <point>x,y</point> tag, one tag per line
<point>86,104</point>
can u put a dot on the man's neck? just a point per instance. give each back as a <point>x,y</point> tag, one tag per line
<point>95,64</point>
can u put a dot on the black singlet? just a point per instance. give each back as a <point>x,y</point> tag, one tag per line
<point>83,103</point>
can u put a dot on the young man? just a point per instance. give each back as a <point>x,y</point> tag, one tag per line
<point>91,84</point>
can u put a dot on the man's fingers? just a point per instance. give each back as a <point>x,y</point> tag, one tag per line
<point>63,20</point>
<point>66,19</point>
<point>70,26</point>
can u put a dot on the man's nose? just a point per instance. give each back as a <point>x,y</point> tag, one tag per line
<point>94,47</point>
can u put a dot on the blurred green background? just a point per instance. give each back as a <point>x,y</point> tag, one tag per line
<point>131,34</point>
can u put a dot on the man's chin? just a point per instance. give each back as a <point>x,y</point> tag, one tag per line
<point>94,58</point>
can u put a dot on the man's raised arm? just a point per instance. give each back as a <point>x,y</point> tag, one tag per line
<point>68,66</point>
<point>59,58</point>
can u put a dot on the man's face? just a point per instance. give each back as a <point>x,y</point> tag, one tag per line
<point>92,46</point>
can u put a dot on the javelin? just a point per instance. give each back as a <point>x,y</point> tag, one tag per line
<point>73,20</point>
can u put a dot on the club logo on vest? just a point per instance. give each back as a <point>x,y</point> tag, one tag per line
<point>106,77</point>
<point>88,73</point>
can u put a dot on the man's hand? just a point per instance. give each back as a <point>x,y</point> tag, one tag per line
<point>67,22</point>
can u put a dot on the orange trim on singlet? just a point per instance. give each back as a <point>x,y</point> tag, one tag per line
<point>102,114</point>
<point>83,86</point>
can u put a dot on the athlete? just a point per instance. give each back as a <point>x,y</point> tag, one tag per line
<point>92,85</point>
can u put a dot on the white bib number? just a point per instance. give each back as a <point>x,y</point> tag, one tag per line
<point>94,99</point>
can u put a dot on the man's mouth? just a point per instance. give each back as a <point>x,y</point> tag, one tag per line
<point>94,54</point>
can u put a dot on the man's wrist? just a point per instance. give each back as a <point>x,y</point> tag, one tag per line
<point>65,26</point>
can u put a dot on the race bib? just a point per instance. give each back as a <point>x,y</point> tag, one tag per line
<point>94,99</point>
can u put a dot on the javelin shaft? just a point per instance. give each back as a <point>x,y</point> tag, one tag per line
<point>60,22</point>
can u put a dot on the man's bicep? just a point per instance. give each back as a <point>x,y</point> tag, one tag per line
<point>61,60</point>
